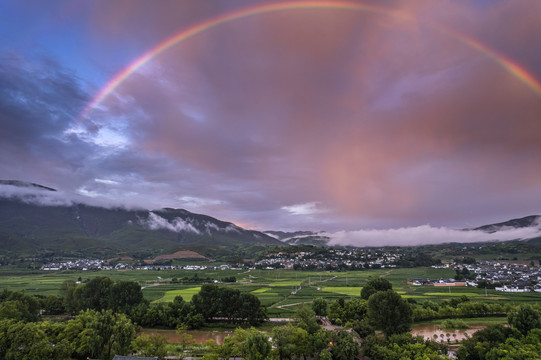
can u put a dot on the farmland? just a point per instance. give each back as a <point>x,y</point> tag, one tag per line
<point>279,290</point>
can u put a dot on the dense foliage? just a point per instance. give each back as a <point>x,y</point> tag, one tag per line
<point>212,303</point>
<point>91,334</point>
<point>388,312</point>
<point>375,285</point>
<point>215,302</point>
<point>522,340</point>
<point>403,346</point>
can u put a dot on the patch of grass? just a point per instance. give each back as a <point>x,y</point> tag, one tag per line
<point>350,290</point>
<point>452,324</point>
<point>186,294</point>
<point>451,294</point>
<point>287,283</point>
<point>259,291</point>
<point>491,320</point>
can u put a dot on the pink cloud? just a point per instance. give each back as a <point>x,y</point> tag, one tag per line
<point>369,115</point>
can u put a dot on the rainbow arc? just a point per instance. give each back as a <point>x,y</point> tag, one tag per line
<point>512,67</point>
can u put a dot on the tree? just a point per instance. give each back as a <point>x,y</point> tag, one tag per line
<point>207,301</point>
<point>403,346</point>
<point>388,312</point>
<point>184,337</point>
<point>319,341</point>
<point>290,341</point>
<point>70,300</point>
<point>319,305</point>
<point>363,329</point>
<point>150,345</point>
<point>95,293</point>
<point>125,296</point>
<point>213,301</point>
<point>20,341</point>
<point>99,334</point>
<point>18,306</point>
<point>307,319</point>
<point>325,355</point>
<point>255,346</point>
<point>525,319</point>
<point>344,347</point>
<point>53,305</point>
<point>250,309</point>
<point>375,285</point>
<point>477,346</point>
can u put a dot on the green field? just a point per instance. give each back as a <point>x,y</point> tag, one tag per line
<point>186,294</point>
<point>259,291</point>
<point>287,283</point>
<point>281,291</point>
<point>351,291</point>
<point>451,294</point>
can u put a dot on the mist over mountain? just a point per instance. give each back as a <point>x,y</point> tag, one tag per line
<point>527,228</point>
<point>319,238</point>
<point>532,221</point>
<point>35,218</point>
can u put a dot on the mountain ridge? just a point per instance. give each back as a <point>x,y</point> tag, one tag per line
<point>27,225</point>
<point>40,218</point>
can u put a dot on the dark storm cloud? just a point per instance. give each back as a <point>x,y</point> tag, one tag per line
<point>39,99</point>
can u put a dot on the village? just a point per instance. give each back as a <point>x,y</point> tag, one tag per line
<point>330,259</point>
<point>506,276</point>
<point>498,275</point>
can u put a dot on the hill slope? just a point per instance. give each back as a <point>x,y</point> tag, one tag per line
<point>28,224</point>
<point>527,221</point>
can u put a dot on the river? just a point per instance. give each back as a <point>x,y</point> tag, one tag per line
<point>200,337</point>
<point>426,331</point>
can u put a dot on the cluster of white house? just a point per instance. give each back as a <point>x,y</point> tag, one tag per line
<point>510,277</point>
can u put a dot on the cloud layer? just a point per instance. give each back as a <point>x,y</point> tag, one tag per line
<point>321,119</point>
<point>155,222</point>
<point>425,234</point>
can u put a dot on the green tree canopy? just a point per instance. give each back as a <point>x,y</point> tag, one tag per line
<point>388,312</point>
<point>254,345</point>
<point>214,301</point>
<point>525,319</point>
<point>344,347</point>
<point>375,285</point>
<point>307,319</point>
<point>319,305</point>
<point>99,334</point>
<point>124,296</point>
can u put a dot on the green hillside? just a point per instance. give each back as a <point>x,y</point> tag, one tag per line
<point>28,228</point>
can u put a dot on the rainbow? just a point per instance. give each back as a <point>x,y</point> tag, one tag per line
<point>513,68</point>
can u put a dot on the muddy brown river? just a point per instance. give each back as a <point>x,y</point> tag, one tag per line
<point>426,331</point>
<point>200,337</point>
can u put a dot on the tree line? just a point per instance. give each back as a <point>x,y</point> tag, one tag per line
<point>380,308</point>
<point>212,303</point>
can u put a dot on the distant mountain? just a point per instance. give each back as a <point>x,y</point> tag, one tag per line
<point>527,221</point>
<point>33,222</point>
<point>23,184</point>
<point>35,219</point>
<point>532,221</point>
<point>322,238</point>
<point>301,237</point>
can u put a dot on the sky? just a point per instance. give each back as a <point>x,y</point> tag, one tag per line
<point>344,116</point>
